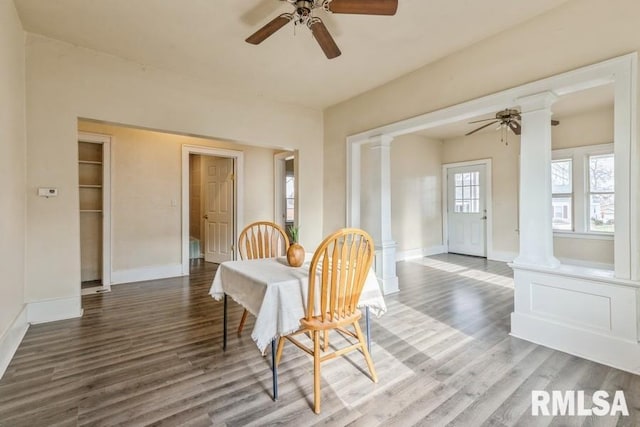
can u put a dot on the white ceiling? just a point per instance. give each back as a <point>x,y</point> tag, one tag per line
<point>205,39</point>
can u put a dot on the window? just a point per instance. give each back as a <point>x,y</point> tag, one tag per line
<point>601,193</point>
<point>562,194</point>
<point>467,192</point>
<point>582,187</point>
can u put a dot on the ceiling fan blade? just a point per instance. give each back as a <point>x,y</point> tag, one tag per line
<point>515,127</point>
<point>324,39</point>
<point>483,120</point>
<point>364,7</point>
<point>266,31</point>
<point>481,127</point>
<point>555,122</point>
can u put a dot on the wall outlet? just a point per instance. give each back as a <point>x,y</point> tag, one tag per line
<point>47,192</point>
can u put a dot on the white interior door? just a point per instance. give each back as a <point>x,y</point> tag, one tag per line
<point>219,215</point>
<point>466,210</point>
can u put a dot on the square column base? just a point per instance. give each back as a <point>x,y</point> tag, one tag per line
<point>385,267</point>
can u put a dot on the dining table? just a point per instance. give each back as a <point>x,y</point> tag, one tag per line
<point>276,294</point>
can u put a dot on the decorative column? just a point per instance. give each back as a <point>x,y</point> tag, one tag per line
<point>385,261</point>
<point>536,232</point>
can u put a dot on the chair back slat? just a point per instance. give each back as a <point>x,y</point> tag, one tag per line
<point>333,290</point>
<point>344,281</point>
<point>261,252</point>
<point>337,273</point>
<point>262,239</point>
<point>360,275</point>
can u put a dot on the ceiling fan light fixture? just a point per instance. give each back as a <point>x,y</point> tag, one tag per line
<point>303,15</point>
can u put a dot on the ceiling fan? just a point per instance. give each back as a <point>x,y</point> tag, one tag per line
<point>303,15</point>
<point>506,119</point>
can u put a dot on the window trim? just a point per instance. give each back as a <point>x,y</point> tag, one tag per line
<point>580,185</point>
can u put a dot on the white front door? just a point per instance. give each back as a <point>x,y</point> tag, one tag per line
<point>218,218</point>
<point>466,210</point>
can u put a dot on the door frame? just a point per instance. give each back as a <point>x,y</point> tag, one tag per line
<point>488,202</point>
<point>107,143</point>
<point>279,175</point>
<point>238,193</point>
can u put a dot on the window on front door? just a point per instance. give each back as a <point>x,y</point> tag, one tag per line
<point>467,192</point>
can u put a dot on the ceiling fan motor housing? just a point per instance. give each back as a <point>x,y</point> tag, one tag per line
<point>303,7</point>
<point>508,114</point>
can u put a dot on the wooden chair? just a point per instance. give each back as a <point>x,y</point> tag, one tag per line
<point>262,239</point>
<point>336,277</point>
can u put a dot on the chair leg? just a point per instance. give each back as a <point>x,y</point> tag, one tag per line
<point>281,341</point>
<point>244,319</point>
<point>316,372</point>
<point>365,352</point>
<point>325,345</point>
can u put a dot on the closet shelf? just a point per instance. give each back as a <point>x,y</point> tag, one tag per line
<point>90,186</point>
<point>89,162</point>
<point>90,210</point>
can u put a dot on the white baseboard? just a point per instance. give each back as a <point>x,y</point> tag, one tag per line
<point>146,273</point>
<point>589,264</point>
<point>12,338</point>
<point>510,256</point>
<point>419,253</point>
<point>502,256</point>
<point>54,309</point>
<point>32,313</point>
<point>611,351</point>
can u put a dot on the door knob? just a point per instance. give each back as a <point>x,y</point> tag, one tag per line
<point>484,217</point>
<point>206,217</point>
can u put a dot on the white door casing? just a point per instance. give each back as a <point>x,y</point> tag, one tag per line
<point>238,193</point>
<point>219,235</point>
<point>466,210</point>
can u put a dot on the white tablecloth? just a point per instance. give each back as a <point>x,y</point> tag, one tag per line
<point>276,294</point>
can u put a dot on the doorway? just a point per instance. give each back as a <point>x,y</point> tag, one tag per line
<point>285,190</point>
<point>94,193</point>
<point>221,198</point>
<point>467,205</point>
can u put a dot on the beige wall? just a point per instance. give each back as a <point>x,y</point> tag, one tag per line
<point>65,82</point>
<point>12,165</point>
<point>576,34</point>
<point>590,128</point>
<point>416,186</point>
<point>146,192</point>
<point>590,251</point>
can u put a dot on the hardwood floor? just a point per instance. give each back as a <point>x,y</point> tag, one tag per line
<point>150,353</point>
